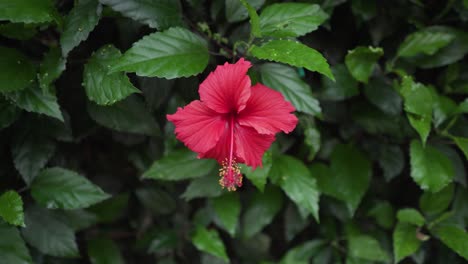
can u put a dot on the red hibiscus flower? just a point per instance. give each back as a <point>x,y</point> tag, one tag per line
<point>233,122</point>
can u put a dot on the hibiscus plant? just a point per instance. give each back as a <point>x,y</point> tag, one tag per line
<point>233,131</point>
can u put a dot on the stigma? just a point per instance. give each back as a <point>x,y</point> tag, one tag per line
<point>231,176</point>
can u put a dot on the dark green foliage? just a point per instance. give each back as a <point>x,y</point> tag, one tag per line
<point>375,171</point>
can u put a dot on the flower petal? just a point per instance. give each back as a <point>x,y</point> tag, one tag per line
<point>268,112</point>
<point>198,126</point>
<point>227,89</point>
<point>221,150</point>
<point>250,145</point>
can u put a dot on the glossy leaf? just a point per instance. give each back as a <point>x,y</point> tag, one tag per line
<point>228,207</point>
<point>430,168</point>
<point>203,187</point>
<point>454,237</point>
<point>294,54</point>
<point>428,41</point>
<point>297,182</point>
<point>262,209</point>
<point>11,208</point>
<point>33,99</point>
<point>405,241</point>
<point>462,143</point>
<point>129,115</point>
<point>343,87</point>
<point>366,247</point>
<point>27,11</point>
<point>410,216</point>
<point>49,235</point>
<point>160,14</point>
<point>30,155</point>
<point>291,19</point>
<point>12,247</point>
<point>51,68</point>
<point>14,63</point>
<point>179,165</point>
<point>381,94</point>
<point>170,54</point>
<point>104,251</point>
<point>434,203</point>
<point>418,106</point>
<point>361,62</point>
<point>346,179</point>
<point>259,176</point>
<point>286,80</point>
<point>61,188</point>
<point>209,242</point>
<point>101,87</point>
<point>254,19</point>
<point>81,20</point>
<point>236,11</point>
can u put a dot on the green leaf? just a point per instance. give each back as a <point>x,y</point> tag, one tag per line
<point>111,209</point>
<point>262,209</point>
<point>434,203</point>
<point>12,247</point>
<point>361,62</point>
<point>14,63</point>
<point>60,188</point>
<point>18,31</point>
<point>344,87</point>
<point>381,94</point>
<point>27,11</point>
<point>405,241</point>
<point>430,168</point>
<point>454,237</point>
<point>11,208</point>
<point>287,81</point>
<point>179,165</point>
<point>209,241</point>
<point>443,109</point>
<point>294,54</point>
<point>236,11</point>
<point>383,213</point>
<point>294,222</point>
<point>160,14</point>
<point>81,20</point>
<point>418,106</point>
<point>129,115</point>
<point>312,139</point>
<point>207,186</point>
<point>462,143</point>
<point>174,53</point>
<point>156,200</point>
<point>411,216</point>
<point>76,219</point>
<point>227,207</point>
<point>51,68</point>
<point>291,19</point>
<point>301,254</point>
<point>49,235</point>
<point>8,113</point>
<point>259,176</point>
<point>254,19</point>
<point>30,154</point>
<point>391,160</point>
<point>104,251</point>
<point>101,87</point>
<point>33,99</point>
<point>346,179</point>
<point>449,54</point>
<point>428,41</point>
<point>296,181</point>
<point>366,247</point>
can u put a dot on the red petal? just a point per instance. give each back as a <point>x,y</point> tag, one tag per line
<point>250,145</point>
<point>198,126</point>
<point>227,89</point>
<point>220,151</point>
<point>268,112</point>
